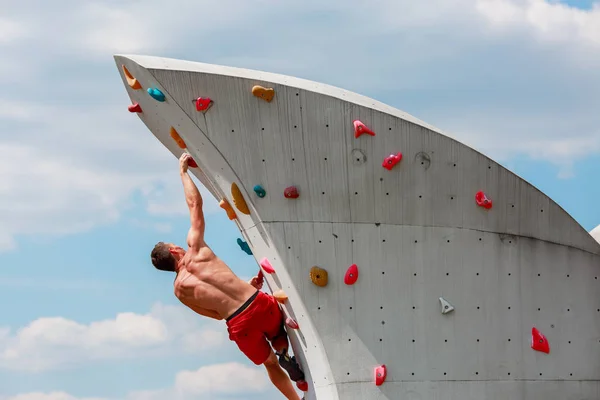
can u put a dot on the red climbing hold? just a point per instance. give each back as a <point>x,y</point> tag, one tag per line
<point>539,341</point>
<point>302,385</point>
<point>360,128</point>
<point>351,275</point>
<point>482,200</point>
<point>380,375</point>
<point>291,192</point>
<point>192,163</point>
<point>390,161</point>
<point>203,103</point>
<point>291,323</point>
<point>266,265</point>
<point>135,108</point>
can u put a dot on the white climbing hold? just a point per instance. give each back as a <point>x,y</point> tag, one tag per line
<point>446,306</point>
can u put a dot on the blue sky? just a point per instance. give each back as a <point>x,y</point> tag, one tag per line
<point>86,190</point>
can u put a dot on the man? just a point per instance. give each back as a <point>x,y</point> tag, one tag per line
<point>207,285</point>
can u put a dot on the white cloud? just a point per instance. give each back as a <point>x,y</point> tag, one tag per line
<point>48,396</point>
<point>596,233</point>
<point>56,342</point>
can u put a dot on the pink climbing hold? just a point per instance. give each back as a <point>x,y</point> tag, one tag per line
<point>291,323</point>
<point>539,341</point>
<point>380,375</point>
<point>135,108</point>
<point>360,129</point>
<point>390,161</point>
<point>266,265</point>
<point>482,200</point>
<point>203,103</point>
<point>291,192</point>
<point>351,275</point>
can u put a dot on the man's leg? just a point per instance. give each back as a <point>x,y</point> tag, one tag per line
<point>279,378</point>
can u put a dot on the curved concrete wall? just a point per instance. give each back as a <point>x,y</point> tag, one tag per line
<point>415,233</point>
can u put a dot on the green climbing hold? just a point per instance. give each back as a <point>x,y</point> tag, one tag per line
<point>260,192</point>
<point>244,246</point>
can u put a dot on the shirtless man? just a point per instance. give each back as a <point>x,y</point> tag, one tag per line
<point>207,285</point>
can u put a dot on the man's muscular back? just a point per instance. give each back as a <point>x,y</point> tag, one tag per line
<point>207,285</point>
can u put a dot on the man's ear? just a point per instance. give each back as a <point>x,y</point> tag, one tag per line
<point>173,250</point>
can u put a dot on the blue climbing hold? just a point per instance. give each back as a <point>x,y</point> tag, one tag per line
<point>260,192</point>
<point>156,94</point>
<point>244,246</point>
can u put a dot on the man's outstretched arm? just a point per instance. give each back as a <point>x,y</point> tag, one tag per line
<point>194,201</point>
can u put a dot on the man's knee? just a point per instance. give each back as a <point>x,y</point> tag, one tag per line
<point>271,361</point>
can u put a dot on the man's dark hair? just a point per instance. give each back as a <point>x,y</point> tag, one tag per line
<point>162,258</point>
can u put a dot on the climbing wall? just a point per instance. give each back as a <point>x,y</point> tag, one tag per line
<point>409,266</point>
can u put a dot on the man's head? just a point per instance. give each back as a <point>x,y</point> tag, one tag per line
<point>165,256</point>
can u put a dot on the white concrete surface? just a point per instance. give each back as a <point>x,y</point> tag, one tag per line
<point>415,233</point>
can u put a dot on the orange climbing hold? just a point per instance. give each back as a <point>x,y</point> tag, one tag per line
<point>131,81</point>
<point>224,204</point>
<point>351,275</point>
<point>539,341</point>
<point>135,108</point>
<point>482,200</point>
<point>266,265</point>
<point>266,94</point>
<point>280,296</point>
<point>318,276</point>
<point>380,374</point>
<point>177,138</point>
<point>291,323</point>
<point>390,161</point>
<point>361,129</point>
<point>238,199</point>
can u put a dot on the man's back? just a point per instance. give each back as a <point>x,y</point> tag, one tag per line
<point>205,283</point>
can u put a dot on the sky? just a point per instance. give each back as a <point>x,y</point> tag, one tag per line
<point>86,190</point>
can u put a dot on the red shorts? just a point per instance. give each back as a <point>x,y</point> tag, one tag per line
<point>262,320</point>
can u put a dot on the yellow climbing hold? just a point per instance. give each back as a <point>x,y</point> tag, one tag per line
<point>318,276</point>
<point>238,199</point>
<point>280,296</point>
<point>177,138</point>
<point>266,94</point>
<point>224,204</point>
<point>131,81</point>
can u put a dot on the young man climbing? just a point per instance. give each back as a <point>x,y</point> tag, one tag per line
<point>209,287</point>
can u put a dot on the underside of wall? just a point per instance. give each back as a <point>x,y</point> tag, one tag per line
<point>415,267</point>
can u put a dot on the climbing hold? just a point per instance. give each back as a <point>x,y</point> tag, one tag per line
<point>224,204</point>
<point>482,200</point>
<point>192,163</point>
<point>238,199</point>
<point>260,192</point>
<point>291,323</point>
<point>390,161</point>
<point>244,246</point>
<point>351,275</point>
<point>302,385</point>
<point>380,374</point>
<point>177,138</point>
<point>539,341</point>
<point>318,276</point>
<point>280,296</point>
<point>266,265</point>
<point>131,81</point>
<point>156,94</point>
<point>360,129</point>
<point>291,192</point>
<point>135,108</point>
<point>446,306</point>
<point>203,103</point>
<point>266,94</point>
